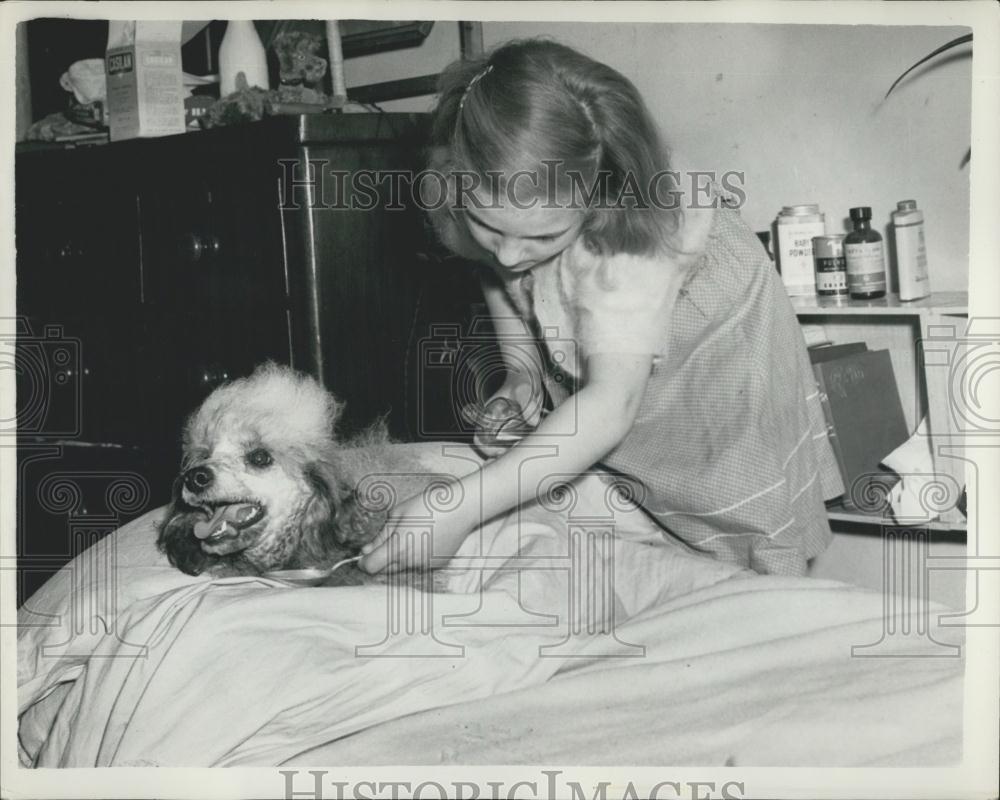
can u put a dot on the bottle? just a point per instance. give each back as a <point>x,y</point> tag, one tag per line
<point>795,228</point>
<point>831,269</point>
<point>865,256</point>
<point>241,52</point>
<point>911,251</point>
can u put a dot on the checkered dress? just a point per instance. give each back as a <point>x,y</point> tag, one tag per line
<point>729,451</point>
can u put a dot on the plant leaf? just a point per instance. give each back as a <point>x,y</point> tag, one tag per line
<point>953,43</point>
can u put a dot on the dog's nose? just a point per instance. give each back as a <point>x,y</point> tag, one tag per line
<point>198,479</point>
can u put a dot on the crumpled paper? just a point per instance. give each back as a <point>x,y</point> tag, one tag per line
<point>913,461</point>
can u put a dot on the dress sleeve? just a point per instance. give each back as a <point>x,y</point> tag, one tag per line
<point>625,303</point>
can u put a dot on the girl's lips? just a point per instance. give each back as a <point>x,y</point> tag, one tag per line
<point>509,273</point>
<point>515,270</point>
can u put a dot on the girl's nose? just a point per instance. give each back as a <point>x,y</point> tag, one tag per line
<point>508,252</point>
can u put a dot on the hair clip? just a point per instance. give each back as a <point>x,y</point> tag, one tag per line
<point>475,79</point>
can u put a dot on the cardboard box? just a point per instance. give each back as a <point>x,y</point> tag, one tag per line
<point>145,79</point>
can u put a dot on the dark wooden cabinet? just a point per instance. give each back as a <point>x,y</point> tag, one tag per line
<point>151,271</point>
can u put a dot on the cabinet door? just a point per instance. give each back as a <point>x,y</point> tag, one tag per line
<point>76,233</point>
<point>211,229</point>
<point>213,269</point>
<point>78,296</point>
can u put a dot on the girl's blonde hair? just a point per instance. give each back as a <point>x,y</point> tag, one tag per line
<point>532,101</point>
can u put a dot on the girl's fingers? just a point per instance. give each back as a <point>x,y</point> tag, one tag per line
<point>377,551</point>
<point>376,559</point>
<point>371,562</point>
<point>489,450</point>
<point>385,553</point>
<point>377,541</point>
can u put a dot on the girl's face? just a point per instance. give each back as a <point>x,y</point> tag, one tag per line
<point>521,238</point>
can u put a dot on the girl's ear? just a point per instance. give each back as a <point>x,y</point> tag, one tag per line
<point>176,537</point>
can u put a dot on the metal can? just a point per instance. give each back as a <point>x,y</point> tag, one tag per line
<point>796,227</point>
<point>831,266</point>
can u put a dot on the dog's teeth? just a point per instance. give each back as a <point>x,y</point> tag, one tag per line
<point>248,514</point>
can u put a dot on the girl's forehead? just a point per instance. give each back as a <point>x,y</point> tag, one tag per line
<point>523,215</point>
<point>536,220</point>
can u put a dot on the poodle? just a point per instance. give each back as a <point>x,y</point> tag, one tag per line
<point>266,485</point>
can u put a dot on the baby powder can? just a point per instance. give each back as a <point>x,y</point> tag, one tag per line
<point>831,266</point>
<point>911,251</point>
<point>796,228</point>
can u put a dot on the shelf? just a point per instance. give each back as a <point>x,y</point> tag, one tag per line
<point>956,303</point>
<point>838,513</point>
<point>921,337</point>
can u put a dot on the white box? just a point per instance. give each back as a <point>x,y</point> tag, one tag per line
<point>145,79</point>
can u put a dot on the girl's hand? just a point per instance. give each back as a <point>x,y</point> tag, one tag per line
<point>389,550</point>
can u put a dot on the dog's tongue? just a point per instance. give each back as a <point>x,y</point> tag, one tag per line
<point>227,519</point>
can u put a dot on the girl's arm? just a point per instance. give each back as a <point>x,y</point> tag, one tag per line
<point>570,440</point>
<point>521,355</point>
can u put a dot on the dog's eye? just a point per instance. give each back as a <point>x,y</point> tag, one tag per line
<point>260,458</point>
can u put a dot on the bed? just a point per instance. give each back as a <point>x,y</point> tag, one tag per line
<point>574,633</point>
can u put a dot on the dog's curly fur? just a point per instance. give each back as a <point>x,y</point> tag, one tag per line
<point>268,442</point>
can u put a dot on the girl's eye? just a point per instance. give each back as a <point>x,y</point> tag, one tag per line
<point>260,458</point>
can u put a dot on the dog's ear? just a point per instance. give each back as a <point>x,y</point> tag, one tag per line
<point>177,540</point>
<point>334,516</point>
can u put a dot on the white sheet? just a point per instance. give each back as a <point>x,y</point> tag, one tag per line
<point>708,667</point>
<point>748,673</point>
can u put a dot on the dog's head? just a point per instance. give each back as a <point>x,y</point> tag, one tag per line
<point>264,484</point>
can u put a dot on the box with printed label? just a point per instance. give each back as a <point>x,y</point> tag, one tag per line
<point>145,79</point>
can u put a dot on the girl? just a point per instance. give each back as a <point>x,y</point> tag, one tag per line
<point>670,351</point>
